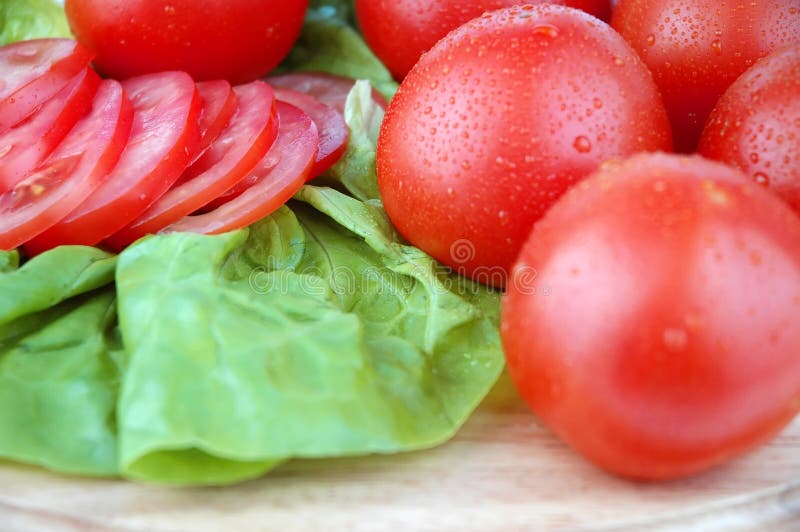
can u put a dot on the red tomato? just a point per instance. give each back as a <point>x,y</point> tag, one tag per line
<point>635,323</point>
<point>26,145</point>
<point>400,31</point>
<point>32,72</point>
<point>217,109</point>
<point>499,119</point>
<point>230,159</point>
<point>327,88</point>
<point>163,138</point>
<point>237,40</point>
<point>272,183</point>
<point>333,131</point>
<point>756,125</point>
<point>697,48</point>
<point>79,164</point>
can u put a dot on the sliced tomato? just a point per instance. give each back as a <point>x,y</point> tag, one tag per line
<point>218,107</point>
<point>327,88</point>
<point>272,183</point>
<point>163,139</point>
<point>251,133</point>
<point>333,131</point>
<point>25,146</point>
<point>32,72</point>
<point>79,164</point>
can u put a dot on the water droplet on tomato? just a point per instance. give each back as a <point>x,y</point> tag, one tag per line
<point>761,178</point>
<point>546,30</point>
<point>582,144</point>
<point>754,158</point>
<point>716,46</point>
<point>651,40</point>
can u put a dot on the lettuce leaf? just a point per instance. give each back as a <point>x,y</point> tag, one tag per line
<point>31,19</point>
<point>330,43</point>
<point>299,338</point>
<point>58,374</point>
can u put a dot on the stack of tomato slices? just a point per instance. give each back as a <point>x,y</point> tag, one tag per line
<point>101,162</point>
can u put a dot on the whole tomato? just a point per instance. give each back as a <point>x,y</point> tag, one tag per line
<point>237,40</point>
<point>653,318</point>
<point>499,119</point>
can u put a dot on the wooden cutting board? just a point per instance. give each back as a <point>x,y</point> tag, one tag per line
<point>502,472</point>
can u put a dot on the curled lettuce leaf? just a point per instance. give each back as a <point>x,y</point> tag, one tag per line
<point>299,338</point>
<point>31,19</point>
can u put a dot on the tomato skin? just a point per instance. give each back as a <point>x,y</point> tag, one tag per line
<point>756,125</point>
<point>697,48</point>
<point>635,325</point>
<point>400,31</point>
<point>474,148</point>
<point>237,40</point>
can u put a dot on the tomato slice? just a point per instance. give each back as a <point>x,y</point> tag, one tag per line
<point>79,164</point>
<point>333,130</point>
<point>272,183</point>
<point>230,159</point>
<point>327,88</point>
<point>32,72</point>
<point>219,104</point>
<point>25,146</point>
<point>164,137</point>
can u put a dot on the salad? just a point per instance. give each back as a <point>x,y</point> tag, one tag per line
<point>228,253</point>
<point>191,359</point>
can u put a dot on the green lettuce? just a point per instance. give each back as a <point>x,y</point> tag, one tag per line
<point>298,338</point>
<point>58,375</point>
<point>31,19</point>
<point>330,43</point>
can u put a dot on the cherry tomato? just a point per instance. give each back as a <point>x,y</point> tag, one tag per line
<point>635,323</point>
<point>276,178</point>
<point>26,145</point>
<point>333,131</point>
<point>400,31</point>
<point>32,72</point>
<point>163,139</point>
<point>499,119</point>
<point>77,167</point>
<point>327,88</point>
<point>230,159</point>
<point>756,125</point>
<point>217,108</point>
<point>237,40</point>
<point>697,48</point>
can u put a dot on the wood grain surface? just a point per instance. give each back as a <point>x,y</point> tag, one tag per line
<point>502,472</point>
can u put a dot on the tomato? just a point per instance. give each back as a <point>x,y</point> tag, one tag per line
<point>26,145</point>
<point>327,88</point>
<point>32,72</point>
<point>276,178</point>
<point>498,120</point>
<point>333,131</point>
<point>237,40</point>
<point>756,125</point>
<point>217,109</point>
<point>163,139</point>
<point>697,48</point>
<point>79,164</point>
<point>230,159</point>
<point>635,323</point>
<point>400,31</point>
